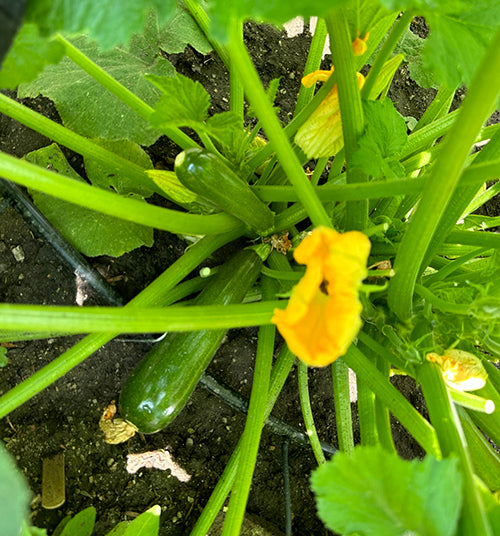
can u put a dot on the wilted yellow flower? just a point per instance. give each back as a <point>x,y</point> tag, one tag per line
<point>461,370</point>
<point>323,313</point>
<point>359,44</point>
<point>321,134</point>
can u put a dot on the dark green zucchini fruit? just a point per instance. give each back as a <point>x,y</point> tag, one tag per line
<point>163,381</point>
<point>208,176</point>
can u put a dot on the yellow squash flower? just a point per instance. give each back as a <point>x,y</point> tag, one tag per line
<point>321,134</point>
<point>461,370</point>
<point>323,313</point>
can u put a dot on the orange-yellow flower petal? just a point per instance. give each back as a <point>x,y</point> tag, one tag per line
<point>359,44</point>
<point>461,370</point>
<point>323,314</point>
<point>321,134</point>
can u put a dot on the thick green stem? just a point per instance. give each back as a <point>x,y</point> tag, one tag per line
<point>485,459</point>
<point>440,304</point>
<point>201,18</point>
<point>120,91</point>
<point>100,200</point>
<point>305,403</point>
<point>240,60</point>
<point>75,142</point>
<point>366,414</point>
<point>382,414</point>
<point>342,401</point>
<point>351,110</point>
<point>443,180</point>
<point>255,421</point>
<point>452,442</point>
<point>407,415</point>
<point>438,107</point>
<point>349,192</point>
<point>312,64</point>
<point>74,319</point>
<point>392,40</point>
<point>237,100</point>
<point>153,295</point>
<point>279,375</point>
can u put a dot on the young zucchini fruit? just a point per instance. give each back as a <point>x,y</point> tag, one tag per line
<point>163,381</point>
<point>208,176</point>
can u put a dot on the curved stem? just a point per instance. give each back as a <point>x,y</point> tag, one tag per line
<point>279,375</point>
<point>93,198</point>
<point>409,417</point>
<point>154,294</point>
<point>443,180</point>
<point>305,403</point>
<point>74,141</point>
<point>342,401</point>
<point>442,305</point>
<point>452,441</point>
<point>240,60</point>
<point>351,110</point>
<point>255,422</point>
<point>392,40</point>
<point>97,319</point>
<point>312,63</point>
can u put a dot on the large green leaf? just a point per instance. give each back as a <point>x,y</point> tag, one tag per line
<point>28,56</point>
<point>222,12</point>
<point>458,41</point>
<point>460,32</point>
<point>106,178</point>
<point>111,22</point>
<point>90,232</point>
<point>411,45</point>
<point>374,492</point>
<point>14,495</point>
<point>184,102</point>
<point>382,142</point>
<point>173,36</point>
<point>88,108</point>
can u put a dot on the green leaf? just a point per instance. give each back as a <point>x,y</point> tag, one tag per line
<point>222,12</point>
<point>82,524</point>
<point>27,57</point>
<point>173,36</point>
<point>111,22</point>
<point>4,360</point>
<point>105,178</point>
<point>14,495</point>
<point>227,130</point>
<point>460,32</point>
<point>147,524</point>
<point>90,232</point>
<point>411,45</point>
<point>458,41</point>
<point>120,529</point>
<point>374,492</point>
<point>184,102</point>
<point>88,108</point>
<point>382,142</point>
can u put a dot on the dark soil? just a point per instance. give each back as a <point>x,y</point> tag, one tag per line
<point>65,416</point>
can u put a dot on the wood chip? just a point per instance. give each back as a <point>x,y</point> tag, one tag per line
<point>53,482</point>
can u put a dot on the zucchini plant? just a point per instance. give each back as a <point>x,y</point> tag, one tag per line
<point>384,265</point>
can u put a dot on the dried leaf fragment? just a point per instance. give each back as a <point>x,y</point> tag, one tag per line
<point>156,459</point>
